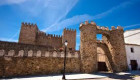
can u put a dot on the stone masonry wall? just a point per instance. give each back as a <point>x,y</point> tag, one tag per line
<point>115,42</point>
<point>70,36</point>
<point>20,60</point>
<point>17,66</point>
<point>49,40</point>
<point>88,47</point>
<point>28,33</point>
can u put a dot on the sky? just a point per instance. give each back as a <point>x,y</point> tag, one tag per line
<point>52,16</point>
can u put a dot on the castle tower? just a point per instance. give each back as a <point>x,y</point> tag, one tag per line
<point>28,33</point>
<point>116,45</point>
<point>70,36</point>
<point>88,47</point>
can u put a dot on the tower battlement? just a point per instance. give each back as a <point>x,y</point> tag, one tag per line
<point>101,27</point>
<point>69,29</point>
<point>25,24</point>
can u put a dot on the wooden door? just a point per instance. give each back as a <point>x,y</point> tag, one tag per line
<point>133,64</point>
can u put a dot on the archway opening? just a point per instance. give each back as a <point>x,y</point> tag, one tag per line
<point>103,63</point>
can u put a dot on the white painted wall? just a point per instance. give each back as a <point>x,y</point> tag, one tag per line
<point>133,56</point>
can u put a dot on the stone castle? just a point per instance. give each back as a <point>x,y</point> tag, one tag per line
<point>40,53</point>
<point>30,34</point>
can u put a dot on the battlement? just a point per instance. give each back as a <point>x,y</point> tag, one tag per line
<point>25,24</point>
<point>69,29</point>
<point>87,23</point>
<point>43,34</point>
<point>101,27</point>
<point>28,50</point>
<point>107,29</point>
<point>54,36</point>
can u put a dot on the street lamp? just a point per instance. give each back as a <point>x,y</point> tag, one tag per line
<point>66,43</point>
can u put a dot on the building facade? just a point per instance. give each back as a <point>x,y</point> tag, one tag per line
<point>132,40</point>
<point>133,56</point>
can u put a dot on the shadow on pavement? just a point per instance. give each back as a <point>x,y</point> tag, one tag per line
<point>122,75</point>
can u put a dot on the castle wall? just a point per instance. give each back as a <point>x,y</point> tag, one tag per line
<point>36,66</point>
<point>116,45</point>
<point>49,40</point>
<point>35,60</point>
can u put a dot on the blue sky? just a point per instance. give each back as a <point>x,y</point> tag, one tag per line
<point>52,16</point>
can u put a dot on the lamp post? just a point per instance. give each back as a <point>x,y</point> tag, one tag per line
<point>66,43</point>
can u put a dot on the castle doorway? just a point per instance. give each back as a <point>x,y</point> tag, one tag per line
<point>103,63</point>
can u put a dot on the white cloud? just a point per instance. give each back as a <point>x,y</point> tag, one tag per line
<point>120,6</point>
<point>133,25</point>
<point>53,12</point>
<point>68,22</point>
<point>50,11</point>
<point>9,2</point>
<point>7,39</point>
<point>80,18</point>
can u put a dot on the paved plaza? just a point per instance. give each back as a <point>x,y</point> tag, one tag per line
<point>133,75</point>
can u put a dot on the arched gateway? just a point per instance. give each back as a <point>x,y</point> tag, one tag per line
<point>112,45</point>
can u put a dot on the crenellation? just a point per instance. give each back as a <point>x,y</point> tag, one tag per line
<point>119,28</point>
<point>106,28</point>
<point>98,27</point>
<point>93,23</point>
<point>86,23</point>
<point>38,54</point>
<point>112,27</point>
<point>103,28</point>
<point>81,24</point>
<point>28,24</point>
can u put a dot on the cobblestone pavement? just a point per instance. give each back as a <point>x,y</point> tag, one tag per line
<point>133,75</point>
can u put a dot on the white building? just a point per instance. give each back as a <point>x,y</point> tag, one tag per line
<point>132,40</point>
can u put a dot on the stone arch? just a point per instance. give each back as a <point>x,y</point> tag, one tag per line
<point>30,53</point>
<point>2,52</point>
<point>103,55</point>
<point>11,53</point>
<point>21,53</point>
<point>38,53</point>
<point>100,54</point>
